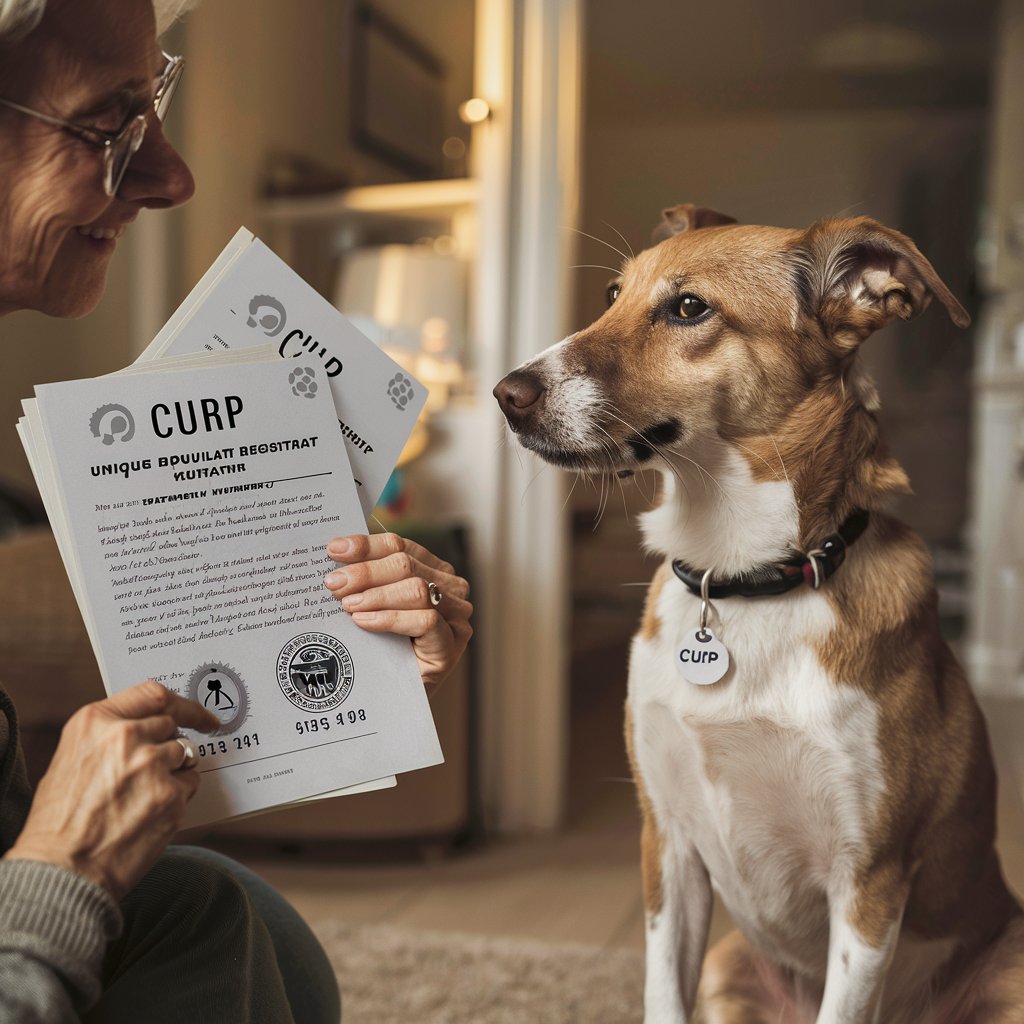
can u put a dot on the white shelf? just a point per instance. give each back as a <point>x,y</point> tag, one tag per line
<point>415,200</point>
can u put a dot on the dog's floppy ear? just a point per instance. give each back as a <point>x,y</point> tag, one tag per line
<point>687,217</point>
<point>856,275</point>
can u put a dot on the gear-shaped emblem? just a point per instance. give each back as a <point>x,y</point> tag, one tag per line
<point>272,322</point>
<point>112,423</point>
<point>220,689</point>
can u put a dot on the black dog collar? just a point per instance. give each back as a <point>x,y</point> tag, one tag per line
<point>814,568</point>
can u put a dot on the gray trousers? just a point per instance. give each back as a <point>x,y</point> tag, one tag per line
<point>205,939</point>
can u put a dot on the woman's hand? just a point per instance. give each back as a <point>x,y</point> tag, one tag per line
<point>116,789</point>
<point>390,585</point>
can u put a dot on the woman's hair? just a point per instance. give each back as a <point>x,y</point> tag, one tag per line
<point>19,17</point>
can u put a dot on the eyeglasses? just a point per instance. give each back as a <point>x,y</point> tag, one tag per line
<point>118,147</point>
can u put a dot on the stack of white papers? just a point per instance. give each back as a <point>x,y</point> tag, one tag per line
<point>192,496</point>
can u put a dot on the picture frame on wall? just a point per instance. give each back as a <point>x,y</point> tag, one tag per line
<point>397,95</point>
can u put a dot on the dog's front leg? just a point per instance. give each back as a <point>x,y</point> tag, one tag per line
<point>677,897</point>
<point>864,927</point>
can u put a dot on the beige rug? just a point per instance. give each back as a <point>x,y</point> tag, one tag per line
<point>398,976</point>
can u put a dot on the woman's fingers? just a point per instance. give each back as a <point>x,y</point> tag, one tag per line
<point>433,639</point>
<point>359,577</point>
<point>172,755</point>
<point>150,698</point>
<point>416,623</point>
<point>116,788</point>
<point>408,593</point>
<point>391,585</point>
<point>154,729</point>
<point>361,547</point>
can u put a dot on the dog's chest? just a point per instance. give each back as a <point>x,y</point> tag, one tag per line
<point>774,774</point>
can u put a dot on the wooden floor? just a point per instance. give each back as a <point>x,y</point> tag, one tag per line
<point>581,886</point>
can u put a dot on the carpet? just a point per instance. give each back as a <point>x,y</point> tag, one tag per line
<point>392,975</point>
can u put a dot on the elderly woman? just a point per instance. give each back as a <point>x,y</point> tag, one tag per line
<point>96,919</point>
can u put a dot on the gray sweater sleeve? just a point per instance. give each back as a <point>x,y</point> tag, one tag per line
<point>54,930</point>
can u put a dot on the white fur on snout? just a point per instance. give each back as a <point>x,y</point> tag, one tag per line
<point>570,419</point>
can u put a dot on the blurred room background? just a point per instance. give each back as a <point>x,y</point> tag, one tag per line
<point>463,177</point>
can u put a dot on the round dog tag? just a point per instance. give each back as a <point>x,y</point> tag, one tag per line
<point>702,659</point>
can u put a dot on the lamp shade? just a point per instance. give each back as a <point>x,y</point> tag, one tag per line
<point>391,291</point>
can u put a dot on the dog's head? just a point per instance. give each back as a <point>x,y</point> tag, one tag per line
<point>719,331</point>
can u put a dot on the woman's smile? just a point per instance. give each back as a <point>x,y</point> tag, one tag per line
<point>99,233</point>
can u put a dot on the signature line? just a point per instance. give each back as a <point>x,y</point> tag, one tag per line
<point>308,476</point>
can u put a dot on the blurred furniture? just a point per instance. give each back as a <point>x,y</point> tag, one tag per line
<point>399,295</point>
<point>378,249</point>
<point>995,653</point>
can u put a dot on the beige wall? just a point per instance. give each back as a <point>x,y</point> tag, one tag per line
<point>268,76</point>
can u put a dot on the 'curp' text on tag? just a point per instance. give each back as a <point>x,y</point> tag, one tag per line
<point>701,659</point>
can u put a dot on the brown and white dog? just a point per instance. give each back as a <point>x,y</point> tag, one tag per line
<point>836,785</point>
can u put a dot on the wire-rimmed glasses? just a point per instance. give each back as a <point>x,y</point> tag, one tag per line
<point>118,147</point>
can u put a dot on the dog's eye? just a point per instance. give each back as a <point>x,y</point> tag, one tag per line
<point>613,292</point>
<point>690,307</point>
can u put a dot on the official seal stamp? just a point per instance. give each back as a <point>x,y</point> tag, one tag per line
<point>220,689</point>
<point>315,672</point>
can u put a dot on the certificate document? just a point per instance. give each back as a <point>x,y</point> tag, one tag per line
<point>250,296</point>
<point>193,508</point>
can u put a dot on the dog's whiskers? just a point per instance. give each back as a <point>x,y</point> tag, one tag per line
<point>519,455</point>
<point>592,266</point>
<point>750,451</point>
<point>603,242</point>
<point>625,241</point>
<point>660,451</point>
<point>726,496</point>
<point>606,493</point>
<point>610,452</point>
<point>600,506</point>
<point>654,490</point>
<point>611,449</point>
<point>782,462</point>
<point>575,481</point>
<point>705,473</point>
<point>533,480</point>
<point>622,491</point>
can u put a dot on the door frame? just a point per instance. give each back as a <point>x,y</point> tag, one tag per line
<point>527,161</point>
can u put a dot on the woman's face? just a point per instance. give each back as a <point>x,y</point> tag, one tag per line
<point>93,62</point>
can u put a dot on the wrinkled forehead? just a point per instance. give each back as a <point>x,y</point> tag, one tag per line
<point>711,261</point>
<point>84,45</point>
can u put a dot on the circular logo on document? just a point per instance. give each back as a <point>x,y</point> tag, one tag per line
<point>220,689</point>
<point>315,672</point>
<point>112,423</point>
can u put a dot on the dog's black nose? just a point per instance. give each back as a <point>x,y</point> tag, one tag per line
<point>520,394</point>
